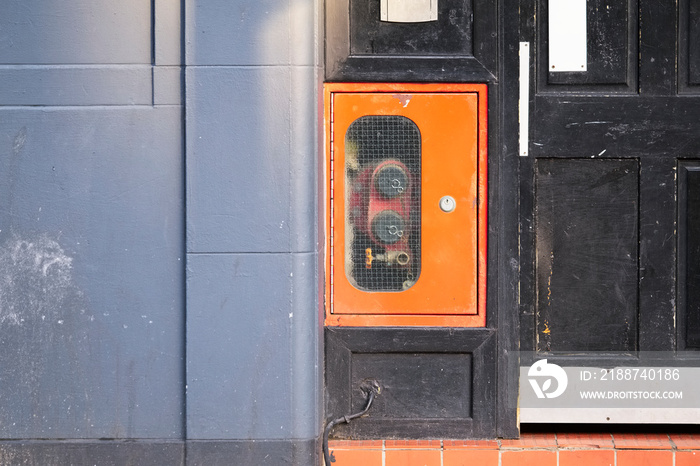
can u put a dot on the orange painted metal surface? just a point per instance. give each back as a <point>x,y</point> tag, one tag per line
<point>451,287</point>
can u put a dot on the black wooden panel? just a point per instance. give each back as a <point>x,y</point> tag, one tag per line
<point>461,46</point>
<point>657,253</point>
<point>527,254</point>
<point>435,382</point>
<point>450,34</point>
<point>689,251</point>
<point>577,126</point>
<point>693,41</point>
<point>415,385</point>
<point>688,45</point>
<point>502,255</point>
<point>658,46</point>
<point>612,50</point>
<point>409,69</point>
<point>587,248</point>
<point>526,260</point>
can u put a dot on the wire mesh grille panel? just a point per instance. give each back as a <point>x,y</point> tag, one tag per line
<point>382,203</point>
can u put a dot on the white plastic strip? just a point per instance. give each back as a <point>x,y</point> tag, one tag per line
<point>524,99</point>
<point>611,415</point>
<point>567,35</point>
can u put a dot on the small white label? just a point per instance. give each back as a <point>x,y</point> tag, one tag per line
<point>567,35</point>
<point>408,11</point>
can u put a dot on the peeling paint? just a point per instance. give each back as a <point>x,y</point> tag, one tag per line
<point>404,99</point>
<point>19,141</point>
<point>45,333</point>
<point>35,279</point>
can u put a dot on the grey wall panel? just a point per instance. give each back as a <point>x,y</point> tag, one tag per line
<point>167,85</point>
<point>168,32</point>
<point>91,242</point>
<point>104,453</point>
<point>168,76</point>
<point>251,159</point>
<point>76,31</point>
<point>303,17</point>
<point>238,159</point>
<point>224,32</point>
<point>76,85</point>
<point>304,164</point>
<point>266,32</point>
<point>250,371</point>
<point>307,335</point>
<point>253,322</point>
<point>258,452</point>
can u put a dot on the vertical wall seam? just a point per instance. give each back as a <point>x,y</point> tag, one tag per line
<point>290,187</point>
<point>183,93</point>
<point>153,52</point>
<point>153,32</point>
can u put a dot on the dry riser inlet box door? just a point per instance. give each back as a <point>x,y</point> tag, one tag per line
<point>406,204</point>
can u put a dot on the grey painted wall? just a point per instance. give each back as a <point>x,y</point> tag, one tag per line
<point>91,312</point>
<point>159,275</point>
<point>253,325</point>
<point>91,220</point>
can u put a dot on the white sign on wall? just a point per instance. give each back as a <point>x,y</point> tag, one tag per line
<point>409,11</point>
<point>567,35</point>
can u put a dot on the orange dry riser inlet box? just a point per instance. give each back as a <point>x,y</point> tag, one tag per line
<point>406,191</point>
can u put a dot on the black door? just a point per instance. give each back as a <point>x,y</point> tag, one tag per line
<point>610,188</point>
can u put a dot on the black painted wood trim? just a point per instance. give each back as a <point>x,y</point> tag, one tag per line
<point>485,66</point>
<point>657,49</point>
<point>657,254</point>
<point>583,83</point>
<point>341,65</point>
<point>504,225</point>
<point>411,69</point>
<point>688,52</point>
<point>343,342</point>
<point>615,126</point>
<point>688,221</point>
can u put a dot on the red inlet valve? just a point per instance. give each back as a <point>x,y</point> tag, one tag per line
<point>380,206</point>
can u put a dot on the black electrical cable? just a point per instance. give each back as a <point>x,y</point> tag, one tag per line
<point>372,391</point>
